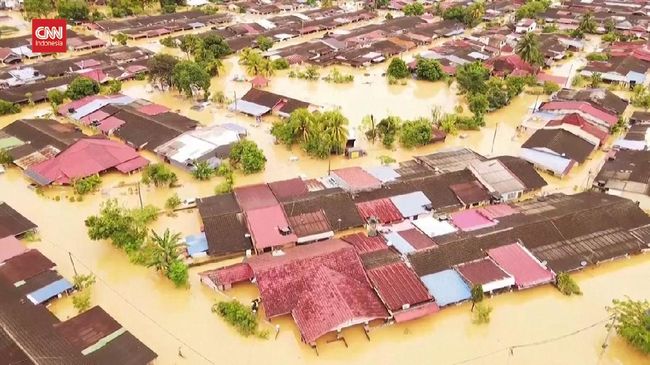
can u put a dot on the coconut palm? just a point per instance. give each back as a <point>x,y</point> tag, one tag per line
<point>528,49</point>
<point>266,68</point>
<point>255,63</point>
<point>587,24</point>
<point>244,55</point>
<point>202,171</point>
<point>165,250</point>
<point>302,123</point>
<point>335,126</point>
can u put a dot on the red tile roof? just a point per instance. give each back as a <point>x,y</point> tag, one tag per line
<point>382,209</point>
<point>84,158</point>
<point>481,272</point>
<point>308,224</point>
<point>255,196</point>
<point>357,178</point>
<point>517,261</point>
<point>417,239</point>
<point>504,65</point>
<point>264,224</point>
<point>327,284</point>
<point>231,274</point>
<point>398,285</point>
<point>577,120</point>
<point>582,107</point>
<point>364,244</point>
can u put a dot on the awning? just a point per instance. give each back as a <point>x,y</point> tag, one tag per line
<point>196,244</point>
<point>49,291</point>
<point>249,108</point>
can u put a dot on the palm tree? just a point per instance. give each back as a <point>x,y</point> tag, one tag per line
<point>596,79</point>
<point>202,171</point>
<point>266,69</point>
<point>335,126</point>
<point>214,66</point>
<point>244,55</point>
<point>528,49</point>
<point>587,24</point>
<point>166,249</point>
<point>254,64</point>
<point>303,123</point>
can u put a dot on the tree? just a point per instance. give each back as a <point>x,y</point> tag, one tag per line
<point>38,8</point>
<point>165,250</point>
<point>225,171</point>
<point>264,43</point>
<point>482,314</point>
<point>173,202</point>
<point>550,87</point>
<point>86,185</point>
<point>301,122</point>
<point>472,77</point>
<point>159,174</point>
<point>478,104</point>
<point>169,6</point>
<point>202,171</point>
<point>631,320</point>
<point>369,128</point>
<point>335,127</point>
<point>189,43</point>
<point>428,69</point>
<point>387,129</point>
<point>81,87</point>
<point>474,14</point>
<point>188,77</point>
<point>418,132</point>
<point>566,285</point>
<point>178,273</point>
<point>122,8</point>
<point>82,283</point>
<point>531,8</point>
<point>413,9</point>
<point>209,47</point>
<point>477,295</point>
<point>121,38</point>
<point>237,315</point>
<point>248,156</point>
<point>55,97</point>
<point>397,69</point>
<point>595,80</point>
<point>528,49</point>
<point>280,64</point>
<point>161,69</point>
<point>73,10</point>
<point>5,157</point>
<point>454,13</point>
<point>113,87</point>
<point>8,108</point>
<point>587,23</point>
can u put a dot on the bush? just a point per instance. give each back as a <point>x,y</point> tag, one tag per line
<point>280,64</point>
<point>82,87</point>
<point>550,87</point>
<point>237,315</point>
<point>159,174</point>
<point>481,315</point>
<point>173,202</point>
<point>631,319</point>
<point>178,273</point>
<point>86,185</point>
<point>55,97</point>
<point>337,77</point>
<point>8,108</point>
<point>429,70</point>
<point>416,133</point>
<point>81,301</point>
<point>397,69</point>
<point>566,285</point>
<point>247,156</point>
<point>5,157</point>
<point>597,56</point>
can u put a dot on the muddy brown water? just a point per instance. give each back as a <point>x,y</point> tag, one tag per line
<point>169,319</point>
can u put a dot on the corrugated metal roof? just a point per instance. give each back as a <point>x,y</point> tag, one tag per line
<point>50,291</point>
<point>382,173</point>
<point>10,247</point>
<point>255,197</point>
<point>411,204</point>
<point>357,179</point>
<point>520,263</point>
<point>25,266</point>
<point>265,224</point>
<point>382,209</point>
<point>398,286</point>
<point>417,239</point>
<point>447,287</point>
<point>400,244</point>
<point>364,244</point>
<point>481,272</point>
<point>558,165</point>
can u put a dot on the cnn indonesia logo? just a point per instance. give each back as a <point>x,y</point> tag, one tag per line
<point>49,35</point>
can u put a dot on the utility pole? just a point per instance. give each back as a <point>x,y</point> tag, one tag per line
<point>140,195</point>
<point>494,138</point>
<point>74,268</point>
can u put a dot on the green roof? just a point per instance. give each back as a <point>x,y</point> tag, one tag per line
<point>10,142</point>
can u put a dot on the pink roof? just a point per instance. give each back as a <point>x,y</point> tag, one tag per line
<point>84,158</point>
<point>516,260</point>
<point>470,220</point>
<point>416,312</point>
<point>259,81</point>
<point>136,68</point>
<point>153,109</point>
<point>398,285</point>
<point>94,116</point>
<point>10,247</point>
<point>560,80</point>
<point>76,104</point>
<point>132,165</point>
<point>496,211</point>
<point>357,178</point>
<point>97,75</point>
<point>322,285</point>
<point>481,272</point>
<point>88,63</point>
<point>110,123</point>
<point>265,224</point>
<point>231,274</point>
<point>382,209</point>
<point>255,196</point>
<point>510,63</point>
<point>364,244</point>
<point>577,120</point>
<point>583,107</point>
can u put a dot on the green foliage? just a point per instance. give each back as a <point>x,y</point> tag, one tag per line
<point>81,87</point>
<point>264,43</point>
<point>621,125</point>
<point>55,97</point>
<point>247,156</point>
<point>81,281</point>
<point>121,38</point>
<point>611,37</point>
<point>189,77</point>
<point>178,274</point>
<point>631,320</point>
<point>319,134</point>
<point>310,73</point>
<point>161,68</point>
<point>597,56</point>
<point>126,228</point>
<point>578,81</point>
<point>8,108</point>
<point>388,16</point>
<point>73,10</point>
<point>386,160</point>
<point>38,8</point>
<point>531,8</point>
<point>159,174</point>
<point>164,252</point>
<point>470,15</point>
<point>478,104</point>
<point>113,87</point>
<point>388,129</point>
<point>550,28</point>
<point>168,42</point>
<point>225,171</point>
<point>81,301</point>
<point>551,87</point>
<point>477,293</point>
<point>208,51</point>
<point>451,123</point>
<point>280,64</point>
<point>428,69</point>
<point>595,80</point>
<point>169,6</point>
<point>202,171</point>
<point>369,128</point>
<point>640,97</point>
<point>237,315</point>
<point>337,77</point>
<point>123,8</point>
<point>5,157</point>
<point>86,185</point>
<point>173,202</point>
<point>398,69</point>
<point>471,77</point>
<point>481,314</point>
<point>528,49</point>
<point>412,9</point>
<point>566,285</point>
<point>587,24</point>
<point>255,63</point>
<point>418,132</point>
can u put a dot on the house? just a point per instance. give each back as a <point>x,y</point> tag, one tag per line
<point>270,229</point>
<point>224,226</point>
<point>509,65</point>
<point>354,179</point>
<point>628,70</point>
<point>578,125</point>
<point>625,172</point>
<point>526,25</point>
<point>516,260</point>
<point>601,99</point>
<point>338,206</point>
<point>258,102</point>
<point>556,151</point>
<point>450,160</point>
<point>486,274</point>
<point>499,181</point>
<point>210,144</point>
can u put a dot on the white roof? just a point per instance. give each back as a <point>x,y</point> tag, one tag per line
<point>195,144</point>
<point>496,177</point>
<point>545,160</point>
<point>433,227</point>
<point>265,24</point>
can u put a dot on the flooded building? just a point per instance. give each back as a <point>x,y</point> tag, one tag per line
<point>625,172</point>
<point>557,151</point>
<point>258,102</point>
<point>224,226</point>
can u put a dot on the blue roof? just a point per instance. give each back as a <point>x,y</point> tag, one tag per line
<point>411,204</point>
<point>382,173</point>
<point>249,108</point>
<point>399,243</point>
<point>196,243</point>
<point>638,78</point>
<point>49,291</point>
<point>447,287</point>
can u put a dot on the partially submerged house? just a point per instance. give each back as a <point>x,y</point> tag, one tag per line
<point>556,151</point>
<point>625,172</point>
<point>258,102</point>
<point>224,226</point>
<point>502,184</point>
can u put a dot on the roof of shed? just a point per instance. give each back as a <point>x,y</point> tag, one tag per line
<point>125,349</point>
<point>470,192</point>
<point>226,234</point>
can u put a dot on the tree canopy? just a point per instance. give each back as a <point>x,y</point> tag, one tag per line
<point>161,68</point>
<point>38,8</point>
<point>471,77</point>
<point>418,132</point>
<point>73,10</point>
<point>247,156</point>
<point>319,134</point>
<point>264,43</point>
<point>429,69</point>
<point>398,69</point>
<point>81,87</point>
<point>528,49</point>
<point>159,174</point>
<point>189,77</point>
<point>631,320</point>
<point>414,8</point>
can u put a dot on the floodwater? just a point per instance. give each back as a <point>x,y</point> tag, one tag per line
<point>171,320</point>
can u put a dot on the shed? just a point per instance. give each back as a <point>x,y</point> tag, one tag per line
<point>486,273</point>
<point>49,291</point>
<point>413,204</point>
<point>259,81</point>
<point>470,193</point>
<point>519,262</point>
<point>224,277</point>
<point>447,287</point>
<point>433,227</point>
<point>382,209</point>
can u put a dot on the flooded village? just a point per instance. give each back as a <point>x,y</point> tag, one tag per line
<point>326,182</point>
